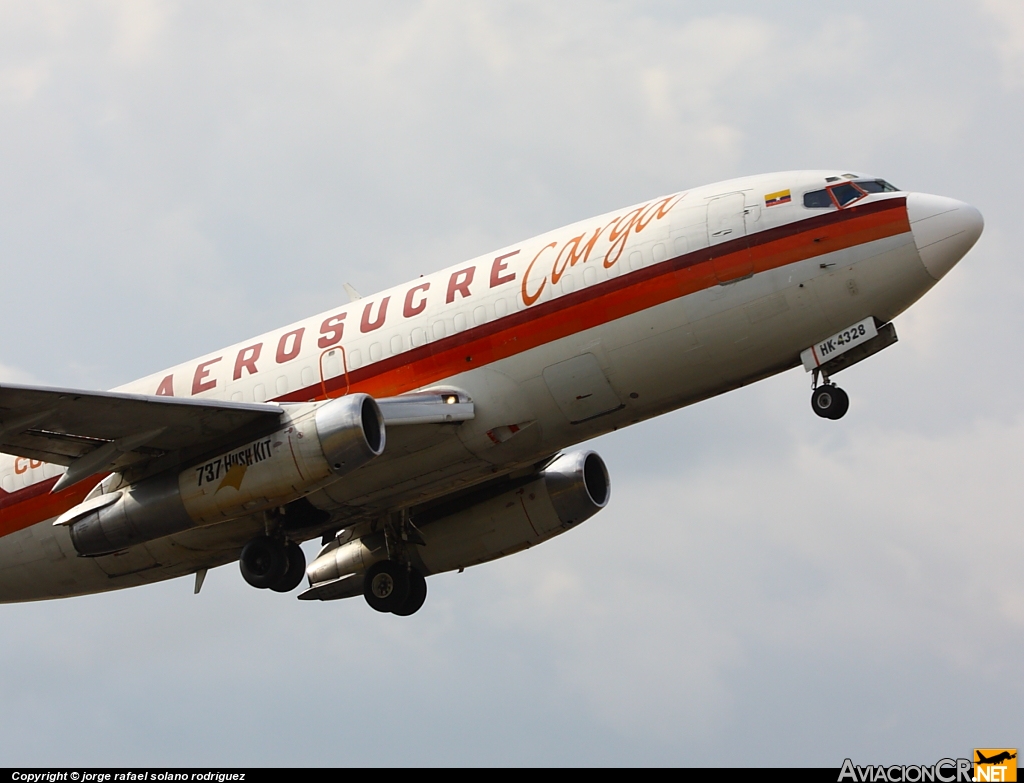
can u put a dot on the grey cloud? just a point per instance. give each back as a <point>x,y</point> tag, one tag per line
<point>175,177</point>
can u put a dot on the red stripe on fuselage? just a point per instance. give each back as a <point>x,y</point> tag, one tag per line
<point>619,297</point>
<point>630,293</point>
<point>28,506</point>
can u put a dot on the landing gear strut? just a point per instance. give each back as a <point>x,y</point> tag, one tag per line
<point>267,562</point>
<point>828,400</point>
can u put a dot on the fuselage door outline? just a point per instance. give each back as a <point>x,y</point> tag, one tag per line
<point>726,222</point>
<point>334,366</point>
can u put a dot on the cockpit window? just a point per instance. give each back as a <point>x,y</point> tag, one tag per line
<point>876,186</point>
<point>846,193</point>
<point>818,199</point>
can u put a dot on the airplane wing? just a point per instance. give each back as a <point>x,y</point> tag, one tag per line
<point>63,426</point>
<point>90,432</point>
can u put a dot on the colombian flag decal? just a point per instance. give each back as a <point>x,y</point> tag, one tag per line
<point>774,199</point>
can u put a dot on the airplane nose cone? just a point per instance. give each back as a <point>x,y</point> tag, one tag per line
<point>944,230</point>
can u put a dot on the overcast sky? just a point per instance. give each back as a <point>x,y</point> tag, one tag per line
<point>766,587</point>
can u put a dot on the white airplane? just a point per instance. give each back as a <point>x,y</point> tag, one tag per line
<point>420,430</point>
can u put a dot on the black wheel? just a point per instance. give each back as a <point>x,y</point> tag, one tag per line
<point>417,595</point>
<point>292,577</point>
<point>842,403</point>
<point>263,562</point>
<point>386,586</point>
<point>830,402</point>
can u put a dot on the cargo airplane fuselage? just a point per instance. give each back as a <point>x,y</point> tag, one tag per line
<point>458,391</point>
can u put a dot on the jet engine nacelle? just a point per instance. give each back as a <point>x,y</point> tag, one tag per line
<point>570,490</point>
<point>316,446</point>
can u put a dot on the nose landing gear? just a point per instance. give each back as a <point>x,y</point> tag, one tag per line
<point>828,400</point>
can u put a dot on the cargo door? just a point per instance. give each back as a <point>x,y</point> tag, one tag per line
<point>727,238</point>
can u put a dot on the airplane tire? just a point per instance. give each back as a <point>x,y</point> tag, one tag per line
<point>417,595</point>
<point>386,586</point>
<point>292,577</point>
<point>830,402</point>
<point>263,562</point>
<point>842,403</point>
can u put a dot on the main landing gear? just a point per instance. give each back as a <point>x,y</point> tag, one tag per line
<point>828,400</point>
<point>394,587</point>
<point>272,563</point>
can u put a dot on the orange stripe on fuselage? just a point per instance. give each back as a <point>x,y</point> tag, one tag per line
<point>556,318</point>
<point>620,297</point>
